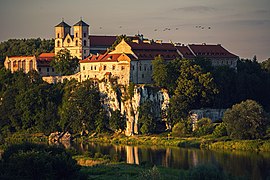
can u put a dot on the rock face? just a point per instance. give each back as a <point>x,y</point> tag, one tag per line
<point>128,101</point>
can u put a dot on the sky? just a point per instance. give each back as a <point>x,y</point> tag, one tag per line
<point>241,26</point>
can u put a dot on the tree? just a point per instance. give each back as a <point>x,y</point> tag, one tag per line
<point>246,120</point>
<point>195,89</point>
<point>80,107</point>
<point>117,121</point>
<point>32,161</point>
<point>147,118</point>
<point>160,72</point>
<point>266,65</point>
<point>64,63</point>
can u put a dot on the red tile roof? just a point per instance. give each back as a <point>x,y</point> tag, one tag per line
<point>46,55</point>
<point>102,40</point>
<point>185,52</point>
<point>101,58</point>
<point>209,51</point>
<point>44,59</point>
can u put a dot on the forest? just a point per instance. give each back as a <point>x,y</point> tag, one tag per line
<point>28,104</point>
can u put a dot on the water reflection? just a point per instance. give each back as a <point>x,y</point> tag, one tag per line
<point>252,165</point>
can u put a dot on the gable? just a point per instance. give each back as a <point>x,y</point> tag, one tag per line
<point>122,47</point>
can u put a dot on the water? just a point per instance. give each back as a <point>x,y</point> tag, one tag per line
<point>239,163</point>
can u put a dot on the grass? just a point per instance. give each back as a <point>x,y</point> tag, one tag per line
<point>205,142</point>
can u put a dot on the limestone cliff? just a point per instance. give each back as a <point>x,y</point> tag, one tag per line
<point>128,102</point>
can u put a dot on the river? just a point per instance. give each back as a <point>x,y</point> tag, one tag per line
<point>252,165</point>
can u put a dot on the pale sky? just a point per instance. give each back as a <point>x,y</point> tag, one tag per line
<point>241,26</point>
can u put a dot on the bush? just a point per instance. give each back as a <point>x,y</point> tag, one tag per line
<point>220,130</point>
<point>29,161</point>
<point>180,129</point>
<point>203,127</point>
<point>246,120</point>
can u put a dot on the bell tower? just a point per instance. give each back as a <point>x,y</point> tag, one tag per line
<point>61,31</point>
<point>81,39</point>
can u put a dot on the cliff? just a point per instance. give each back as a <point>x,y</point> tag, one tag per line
<point>128,99</point>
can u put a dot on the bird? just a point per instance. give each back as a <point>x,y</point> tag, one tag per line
<point>209,27</point>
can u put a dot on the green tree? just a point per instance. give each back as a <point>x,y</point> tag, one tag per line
<point>32,161</point>
<point>117,121</point>
<point>147,118</point>
<point>266,65</point>
<point>195,89</point>
<point>64,63</point>
<point>246,120</point>
<point>160,72</point>
<point>80,106</point>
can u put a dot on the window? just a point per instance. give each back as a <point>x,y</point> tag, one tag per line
<point>140,68</point>
<point>14,64</point>
<point>83,68</point>
<point>39,69</point>
<point>142,75</point>
<point>95,67</point>
<point>23,65</point>
<point>31,65</point>
<point>145,67</point>
<point>84,51</point>
<point>76,43</point>
<point>76,34</point>
<point>133,67</point>
<point>104,68</point>
<point>113,67</point>
<point>68,40</point>
<point>48,69</point>
<point>58,43</point>
<point>122,67</point>
<point>52,69</point>
<point>58,35</point>
<point>84,42</point>
<point>151,67</point>
<point>91,68</point>
<point>84,34</point>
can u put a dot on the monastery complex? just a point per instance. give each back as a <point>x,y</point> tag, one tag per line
<point>130,60</point>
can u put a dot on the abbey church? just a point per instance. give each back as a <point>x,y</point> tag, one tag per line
<point>129,61</point>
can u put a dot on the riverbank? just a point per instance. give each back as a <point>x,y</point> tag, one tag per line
<point>206,142</point>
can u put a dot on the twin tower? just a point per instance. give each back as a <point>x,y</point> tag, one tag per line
<point>78,44</point>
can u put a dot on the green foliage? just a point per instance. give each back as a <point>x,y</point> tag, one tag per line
<point>64,63</point>
<point>25,47</point>
<point>131,89</point>
<point>266,65</point>
<point>181,129</point>
<point>194,90</point>
<point>117,121</point>
<point>152,174</point>
<point>165,74</point>
<point>80,106</point>
<point>220,130</point>
<point>246,120</point>
<point>203,127</point>
<point>147,118</point>
<point>29,161</point>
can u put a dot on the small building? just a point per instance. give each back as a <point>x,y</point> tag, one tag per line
<point>41,64</point>
<point>213,114</point>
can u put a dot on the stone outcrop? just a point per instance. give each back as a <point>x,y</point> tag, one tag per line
<point>118,98</point>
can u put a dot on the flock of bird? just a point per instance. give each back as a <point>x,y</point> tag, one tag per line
<point>169,29</point>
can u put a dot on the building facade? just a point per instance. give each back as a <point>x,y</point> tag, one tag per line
<point>78,43</point>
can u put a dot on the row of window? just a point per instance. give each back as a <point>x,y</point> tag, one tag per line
<point>104,67</point>
<point>76,43</point>
<point>21,65</point>
<point>145,68</point>
<point>76,35</point>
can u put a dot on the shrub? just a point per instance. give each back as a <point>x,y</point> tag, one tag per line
<point>246,120</point>
<point>220,130</point>
<point>203,172</point>
<point>203,127</point>
<point>29,161</point>
<point>180,129</point>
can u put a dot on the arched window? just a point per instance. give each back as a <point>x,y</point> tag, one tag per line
<point>58,43</point>
<point>76,43</point>
<point>31,65</point>
<point>68,40</point>
<point>23,65</point>
<point>84,42</point>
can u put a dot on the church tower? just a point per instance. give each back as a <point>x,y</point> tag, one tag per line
<point>81,39</point>
<point>61,31</point>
